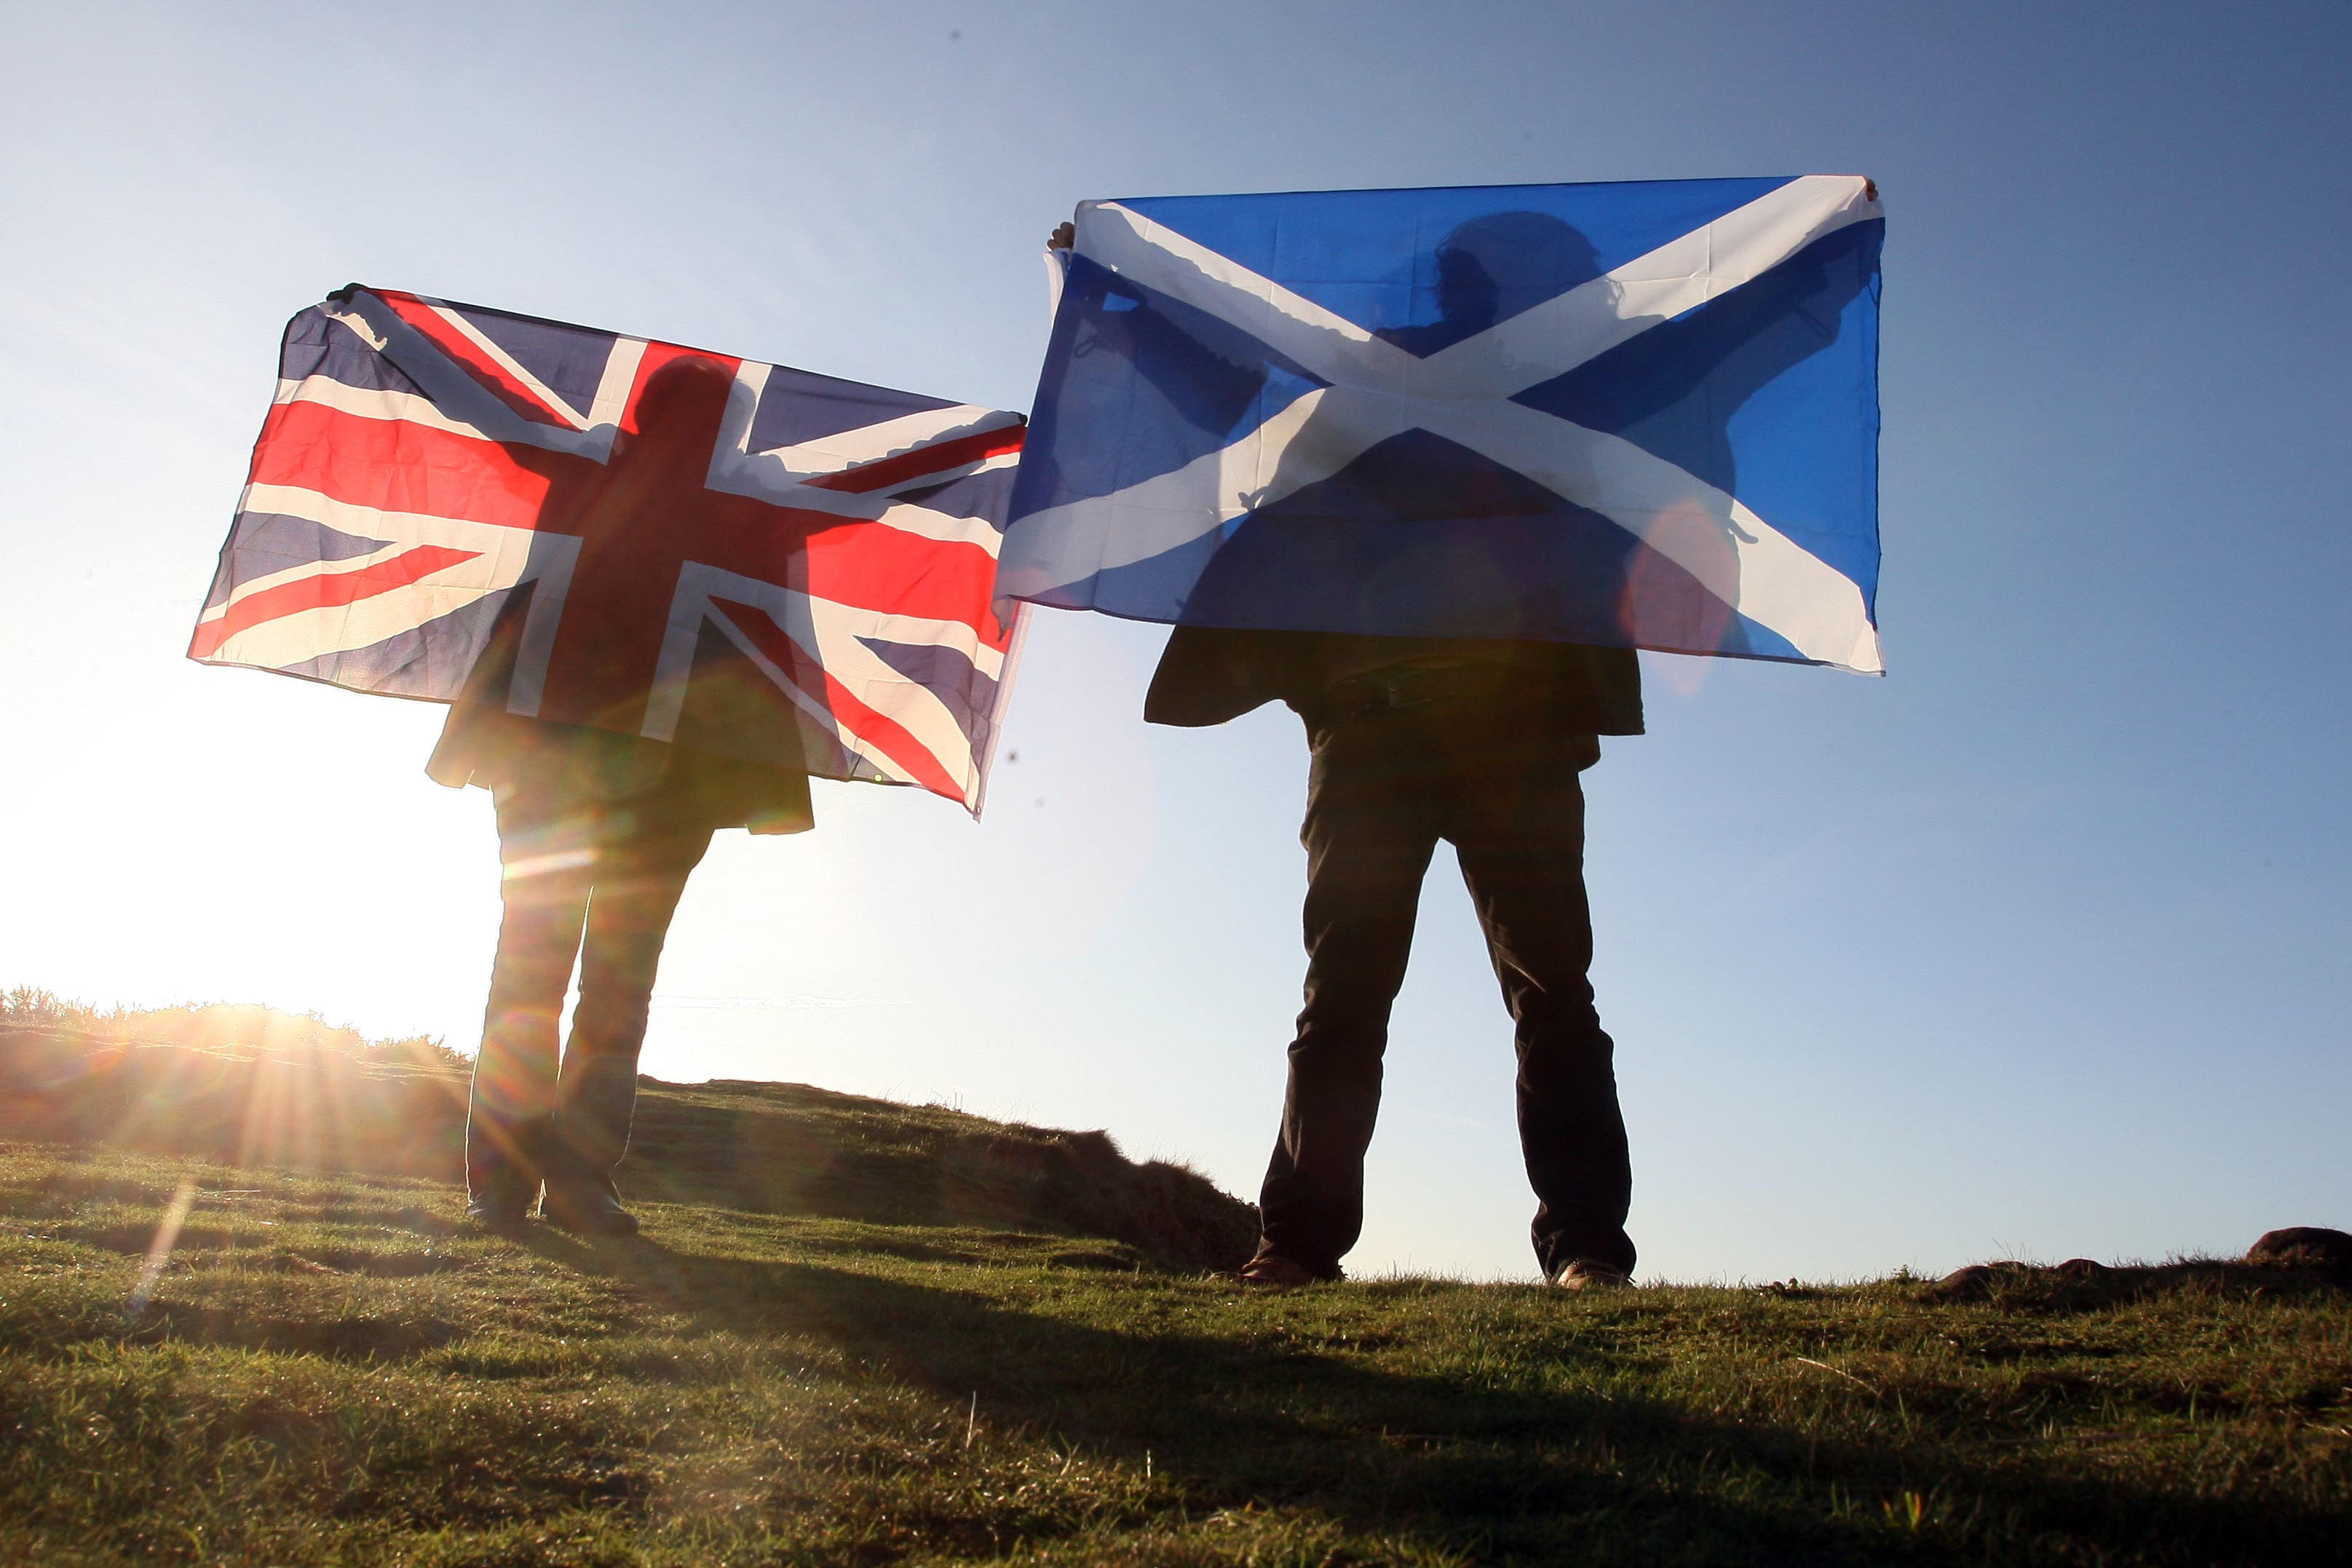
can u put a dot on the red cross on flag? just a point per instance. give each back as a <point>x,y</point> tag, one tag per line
<point>736,557</point>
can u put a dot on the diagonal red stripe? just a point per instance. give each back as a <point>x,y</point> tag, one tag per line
<point>419,313</point>
<point>879,731</point>
<point>321,592</point>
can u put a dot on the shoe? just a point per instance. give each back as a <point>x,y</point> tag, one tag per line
<point>494,1216</point>
<point>502,1203</point>
<point>1272,1270</point>
<point>585,1210</point>
<point>1583,1274</point>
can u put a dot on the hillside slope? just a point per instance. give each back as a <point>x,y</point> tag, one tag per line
<point>779,1148</point>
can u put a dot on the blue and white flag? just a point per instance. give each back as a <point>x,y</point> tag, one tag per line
<point>1635,414</point>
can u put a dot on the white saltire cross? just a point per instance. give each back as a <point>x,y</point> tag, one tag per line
<point>1462,394</point>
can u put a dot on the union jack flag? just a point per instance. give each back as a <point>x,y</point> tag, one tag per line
<point>737,557</point>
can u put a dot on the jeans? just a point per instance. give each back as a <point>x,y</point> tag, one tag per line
<point>589,883</point>
<point>1489,775</point>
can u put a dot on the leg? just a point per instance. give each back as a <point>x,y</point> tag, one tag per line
<point>544,891</point>
<point>628,916</point>
<point>1367,845</point>
<point>1518,824</point>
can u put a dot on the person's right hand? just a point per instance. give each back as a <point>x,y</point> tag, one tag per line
<point>1063,238</point>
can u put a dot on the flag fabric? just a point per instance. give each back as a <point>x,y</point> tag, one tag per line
<point>1633,415</point>
<point>782,567</point>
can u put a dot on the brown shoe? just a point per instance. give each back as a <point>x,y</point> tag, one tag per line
<point>1583,1274</point>
<point>1271,1271</point>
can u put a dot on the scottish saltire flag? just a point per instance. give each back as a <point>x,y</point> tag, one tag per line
<point>1638,415</point>
<point>738,557</point>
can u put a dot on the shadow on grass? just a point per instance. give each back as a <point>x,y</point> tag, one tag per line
<point>346,1339</point>
<point>1499,1473</point>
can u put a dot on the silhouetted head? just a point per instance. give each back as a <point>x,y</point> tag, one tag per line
<point>1492,267</point>
<point>685,398</point>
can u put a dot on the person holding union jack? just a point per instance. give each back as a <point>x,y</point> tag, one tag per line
<point>598,831</point>
<point>662,588</point>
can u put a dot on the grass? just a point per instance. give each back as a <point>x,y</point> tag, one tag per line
<point>331,1368</point>
<point>280,1097</point>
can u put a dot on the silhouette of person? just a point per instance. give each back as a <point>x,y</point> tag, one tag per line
<point>1474,740</point>
<point>1415,739</point>
<point>598,831</point>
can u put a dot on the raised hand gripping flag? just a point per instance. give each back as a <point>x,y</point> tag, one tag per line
<point>737,557</point>
<point>1636,415</point>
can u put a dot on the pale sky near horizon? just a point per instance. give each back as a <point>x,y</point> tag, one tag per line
<point>2036,947</point>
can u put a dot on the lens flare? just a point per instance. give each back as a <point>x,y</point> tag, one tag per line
<point>159,1251</point>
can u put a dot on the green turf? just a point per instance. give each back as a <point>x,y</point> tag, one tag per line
<point>254,1087</point>
<point>332,1368</point>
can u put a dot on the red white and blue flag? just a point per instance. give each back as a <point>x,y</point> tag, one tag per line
<point>736,557</point>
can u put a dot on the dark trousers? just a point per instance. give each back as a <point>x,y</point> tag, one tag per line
<point>1492,778</point>
<point>590,884</point>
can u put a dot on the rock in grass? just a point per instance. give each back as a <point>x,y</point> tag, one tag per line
<point>2301,1260</point>
<point>2310,1245</point>
<point>1975,1281</point>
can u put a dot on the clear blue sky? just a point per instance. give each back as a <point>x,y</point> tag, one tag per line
<point>2036,947</point>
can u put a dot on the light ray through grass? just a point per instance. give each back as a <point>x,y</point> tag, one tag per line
<point>159,1251</point>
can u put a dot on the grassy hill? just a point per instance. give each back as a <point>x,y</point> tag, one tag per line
<point>249,1086</point>
<point>204,1361</point>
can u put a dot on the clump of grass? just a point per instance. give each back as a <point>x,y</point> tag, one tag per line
<point>333,1369</point>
